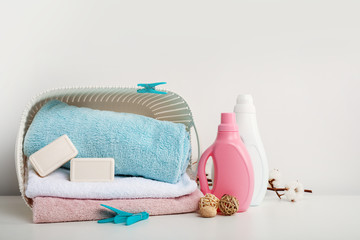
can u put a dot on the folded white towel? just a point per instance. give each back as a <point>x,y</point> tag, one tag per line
<point>57,184</point>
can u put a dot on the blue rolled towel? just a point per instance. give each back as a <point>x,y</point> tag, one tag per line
<point>140,146</point>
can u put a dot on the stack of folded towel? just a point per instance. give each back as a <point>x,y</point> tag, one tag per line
<point>150,156</point>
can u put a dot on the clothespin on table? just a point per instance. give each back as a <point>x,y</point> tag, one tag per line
<point>124,217</point>
<point>150,88</point>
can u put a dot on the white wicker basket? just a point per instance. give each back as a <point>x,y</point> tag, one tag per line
<point>169,107</point>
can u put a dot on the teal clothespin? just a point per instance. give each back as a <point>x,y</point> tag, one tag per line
<point>150,88</point>
<point>124,217</point>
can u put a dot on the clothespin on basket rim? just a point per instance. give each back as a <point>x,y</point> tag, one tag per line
<point>150,88</point>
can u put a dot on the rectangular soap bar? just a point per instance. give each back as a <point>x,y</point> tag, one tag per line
<point>53,155</point>
<point>92,169</point>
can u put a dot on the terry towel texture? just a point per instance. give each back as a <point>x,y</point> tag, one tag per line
<point>50,209</point>
<point>57,184</point>
<point>140,146</point>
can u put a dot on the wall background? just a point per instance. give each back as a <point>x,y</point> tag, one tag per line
<point>299,59</point>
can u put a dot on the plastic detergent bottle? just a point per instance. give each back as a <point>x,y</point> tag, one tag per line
<point>248,130</point>
<point>233,171</point>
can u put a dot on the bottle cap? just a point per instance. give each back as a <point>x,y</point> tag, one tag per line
<point>244,104</point>
<point>228,123</point>
<point>244,99</point>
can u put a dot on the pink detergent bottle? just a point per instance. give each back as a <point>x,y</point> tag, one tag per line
<point>232,164</point>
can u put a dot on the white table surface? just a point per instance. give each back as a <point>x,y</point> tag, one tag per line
<point>314,217</point>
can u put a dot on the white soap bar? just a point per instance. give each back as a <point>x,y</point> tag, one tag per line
<point>92,169</point>
<point>53,156</point>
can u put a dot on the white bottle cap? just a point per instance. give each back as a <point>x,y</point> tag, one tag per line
<point>244,104</point>
<point>244,99</point>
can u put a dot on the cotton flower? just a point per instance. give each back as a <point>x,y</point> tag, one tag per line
<point>294,191</point>
<point>275,178</point>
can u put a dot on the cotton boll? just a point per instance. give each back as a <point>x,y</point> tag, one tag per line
<point>294,191</point>
<point>291,195</point>
<point>300,190</point>
<point>275,178</point>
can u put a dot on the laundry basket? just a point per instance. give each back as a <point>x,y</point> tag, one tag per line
<point>167,107</point>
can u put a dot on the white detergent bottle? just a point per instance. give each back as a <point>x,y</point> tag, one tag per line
<point>248,130</point>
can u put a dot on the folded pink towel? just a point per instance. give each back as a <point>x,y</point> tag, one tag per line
<point>53,209</point>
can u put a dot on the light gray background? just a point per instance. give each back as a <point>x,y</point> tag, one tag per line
<point>299,59</point>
